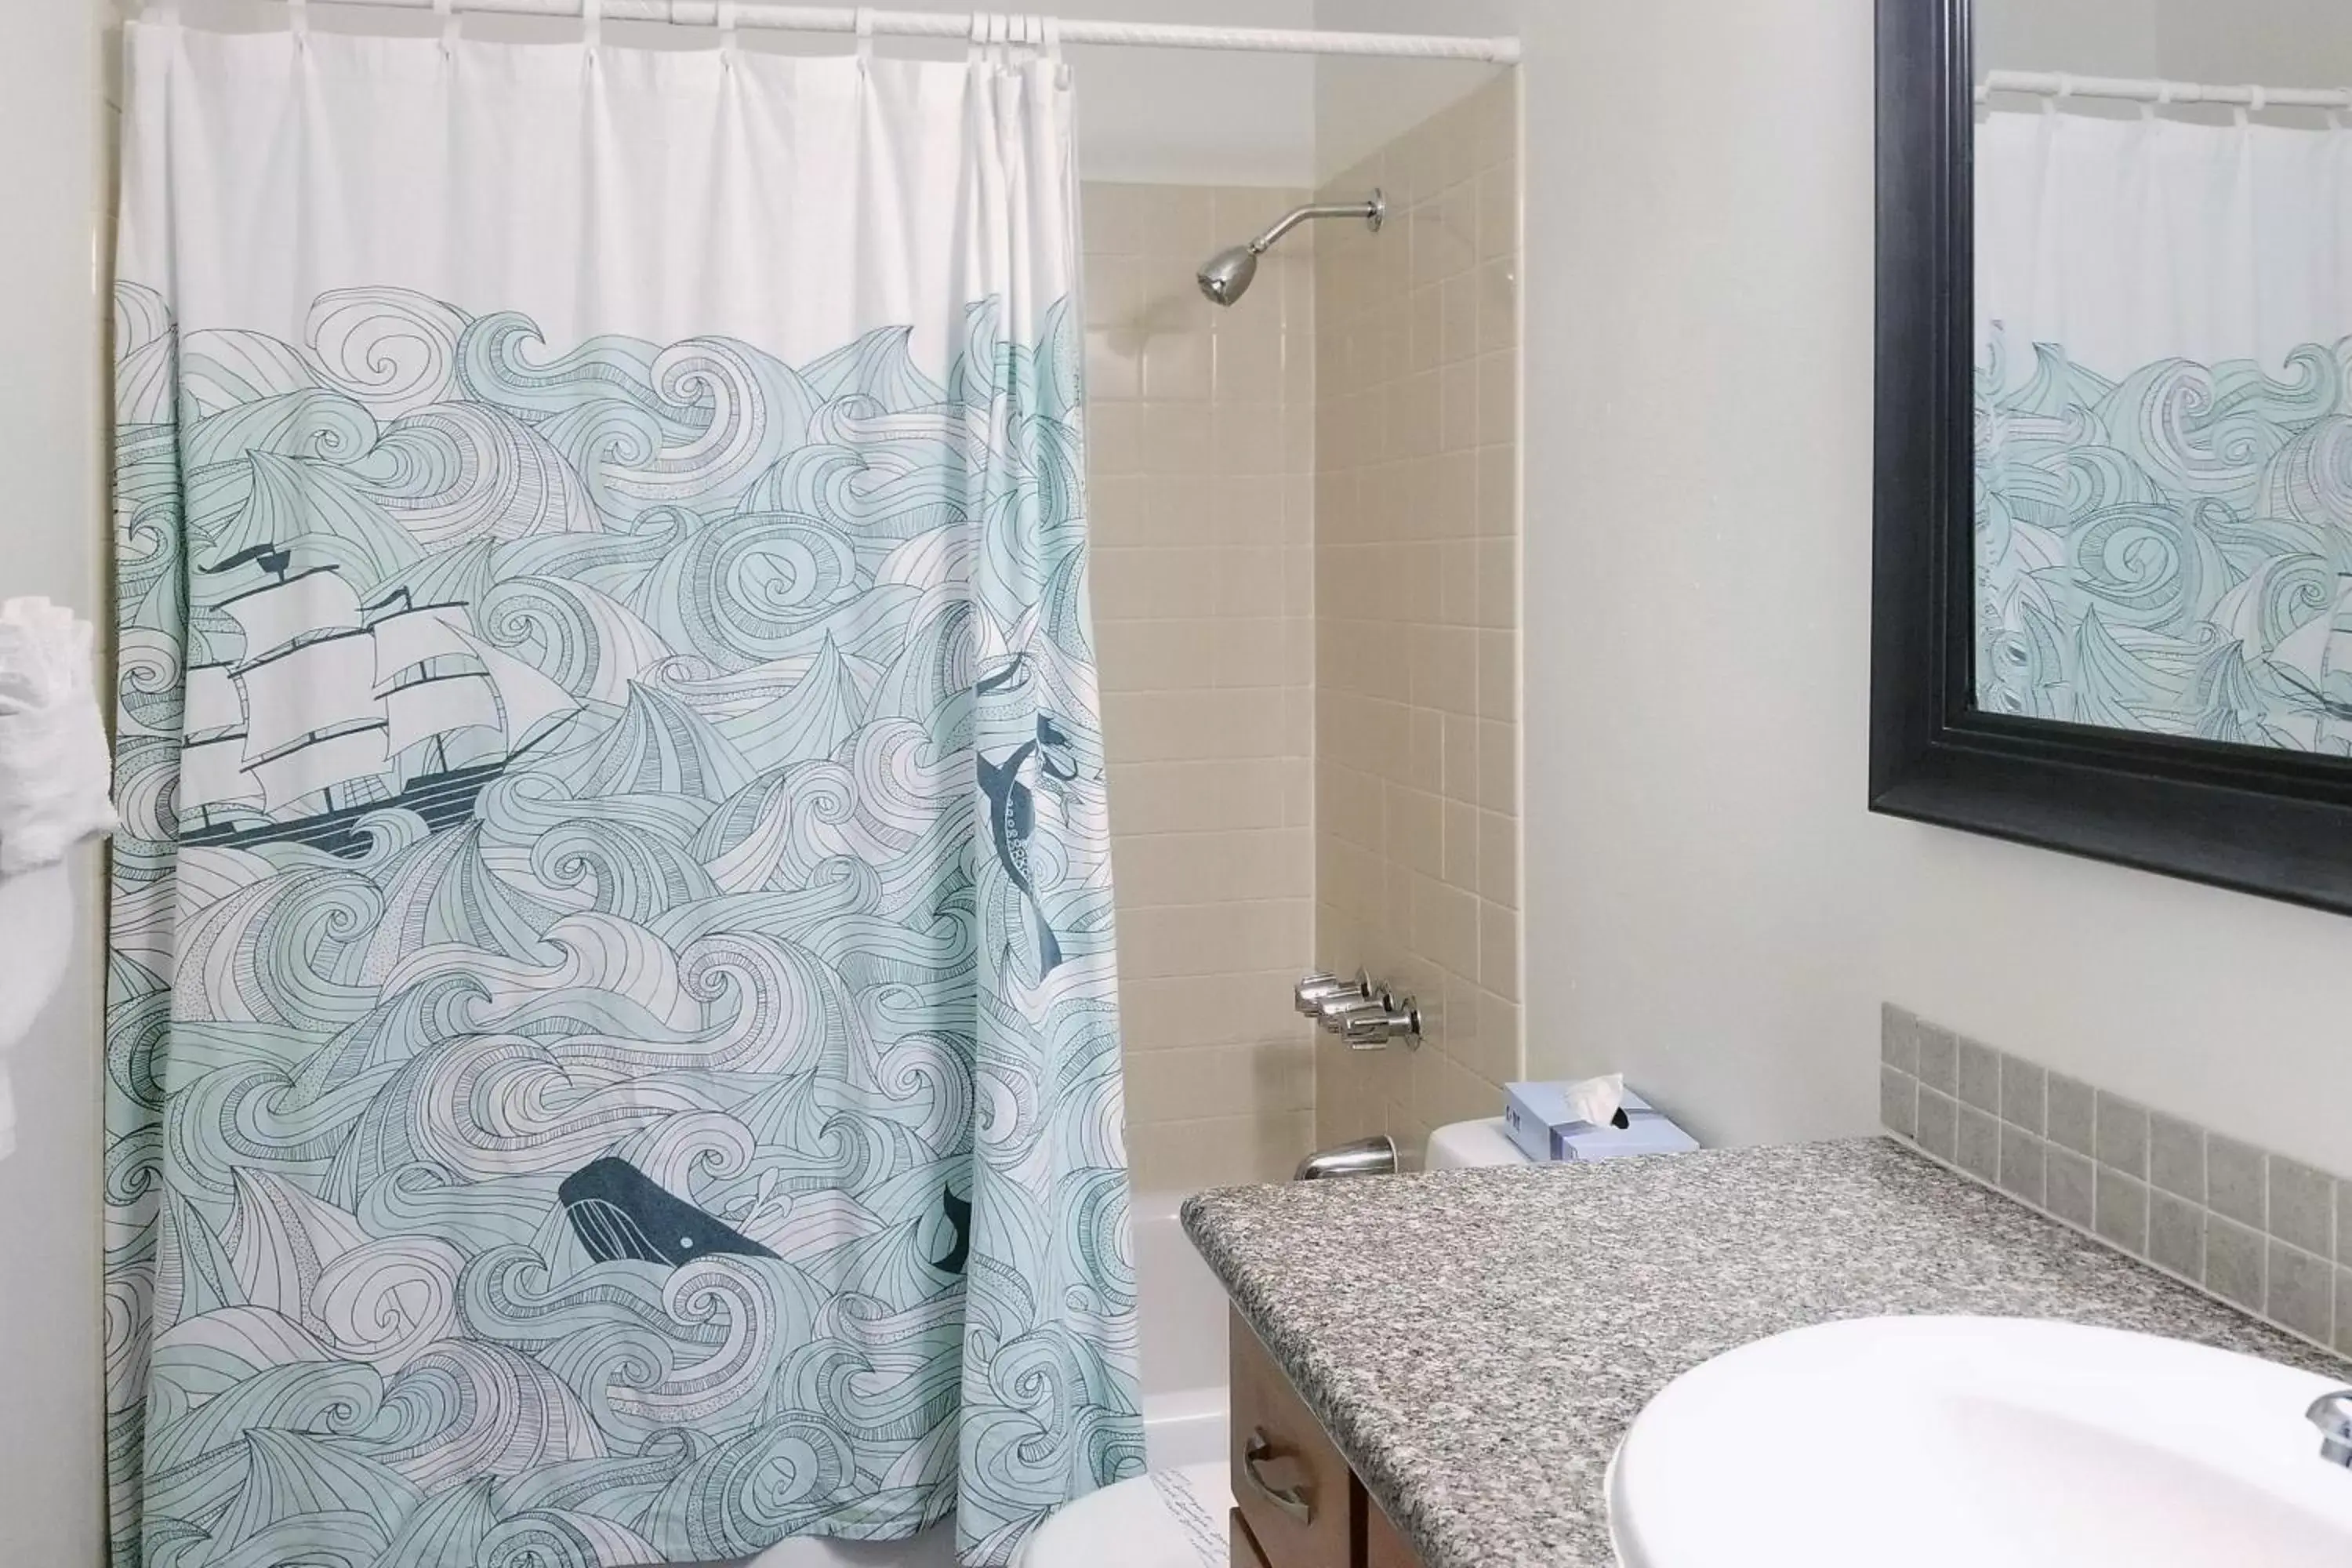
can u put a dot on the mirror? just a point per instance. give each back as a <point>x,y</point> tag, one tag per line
<point>2114,574</point>
<point>2163,331</point>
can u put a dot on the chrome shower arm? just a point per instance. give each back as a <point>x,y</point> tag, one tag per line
<point>1225,277</point>
<point>1372,210</point>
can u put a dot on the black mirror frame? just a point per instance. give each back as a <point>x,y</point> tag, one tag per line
<point>2270,822</point>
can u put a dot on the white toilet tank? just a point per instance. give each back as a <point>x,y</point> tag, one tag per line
<point>1462,1145</point>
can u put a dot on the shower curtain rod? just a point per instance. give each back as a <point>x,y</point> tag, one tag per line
<point>2057,84</point>
<point>958,25</point>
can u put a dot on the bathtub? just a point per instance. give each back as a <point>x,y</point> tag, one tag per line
<point>1182,1373</point>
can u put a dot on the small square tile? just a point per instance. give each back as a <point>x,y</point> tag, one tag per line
<point>2235,1180</point>
<point>2176,1156</point>
<point>1938,1131</point>
<point>2344,1222</point>
<point>2176,1235</point>
<point>2233,1262</point>
<point>2023,1087</point>
<point>2067,1187</point>
<point>1898,1038</point>
<point>1898,1101</point>
<point>2299,1292</point>
<point>1939,1051</point>
<point>2302,1206</point>
<point>1979,1076</point>
<point>2344,1311</point>
<point>2123,1210</point>
<point>2070,1123</point>
<point>1980,1144</point>
<point>2022,1163</point>
<point>2122,1134</point>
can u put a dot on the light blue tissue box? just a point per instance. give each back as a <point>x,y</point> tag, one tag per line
<point>1536,1115</point>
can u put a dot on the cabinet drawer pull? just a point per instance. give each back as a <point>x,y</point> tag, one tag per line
<point>1294,1502</point>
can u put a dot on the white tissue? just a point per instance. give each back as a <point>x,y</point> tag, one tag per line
<point>1596,1100</point>
<point>54,767</point>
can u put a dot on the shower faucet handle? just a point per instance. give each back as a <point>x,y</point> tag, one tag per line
<point>1336,1013</point>
<point>1393,1019</point>
<point>1311,993</point>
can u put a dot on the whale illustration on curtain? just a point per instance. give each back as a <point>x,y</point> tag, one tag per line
<point>612,1031</point>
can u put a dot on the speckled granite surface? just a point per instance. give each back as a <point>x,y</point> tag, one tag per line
<point>1476,1341</point>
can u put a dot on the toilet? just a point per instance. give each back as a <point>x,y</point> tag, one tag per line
<point>1168,1518</point>
<point>1467,1145</point>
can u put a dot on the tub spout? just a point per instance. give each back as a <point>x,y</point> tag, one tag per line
<point>1373,1156</point>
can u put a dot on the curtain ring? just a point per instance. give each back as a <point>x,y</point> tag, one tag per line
<point>978,39</point>
<point>447,11</point>
<point>298,19</point>
<point>2262,98</point>
<point>864,27</point>
<point>725,19</point>
<point>592,24</point>
<point>1054,52</point>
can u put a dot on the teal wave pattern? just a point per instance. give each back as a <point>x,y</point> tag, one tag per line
<point>612,1047</point>
<point>2169,552</point>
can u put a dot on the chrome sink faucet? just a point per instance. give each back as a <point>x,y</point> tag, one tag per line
<point>2332,1414</point>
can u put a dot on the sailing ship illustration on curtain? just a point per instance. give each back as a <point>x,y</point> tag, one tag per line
<point>371,701</point>
<point>613,1054</point>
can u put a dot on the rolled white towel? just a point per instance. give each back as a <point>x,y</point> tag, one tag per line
<point>54,766</point>
<point>38,933</point>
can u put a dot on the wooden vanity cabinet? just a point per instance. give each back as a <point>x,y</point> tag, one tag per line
<point>1296,1503</point>
<point>1384,1545</point>
<point>1245,1552</point>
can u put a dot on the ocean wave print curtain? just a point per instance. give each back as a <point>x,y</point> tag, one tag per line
<point>2164,425</point>
<point>612,1034</point>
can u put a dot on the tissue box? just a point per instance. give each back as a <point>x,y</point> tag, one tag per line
<point>1536,1116</point>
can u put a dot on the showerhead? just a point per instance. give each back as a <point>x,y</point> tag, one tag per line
<point>1226,276</point>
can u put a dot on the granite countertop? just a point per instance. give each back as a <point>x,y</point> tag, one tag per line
<point>1477,1342</point>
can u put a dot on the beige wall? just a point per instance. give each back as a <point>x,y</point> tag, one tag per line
<point>1201,450</point>
<point>1710,904</point>
<point>1417,618</point>
<point>52,138</point>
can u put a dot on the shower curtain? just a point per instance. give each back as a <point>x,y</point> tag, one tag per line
<point>2164,425</point>
<point>612,1030</point>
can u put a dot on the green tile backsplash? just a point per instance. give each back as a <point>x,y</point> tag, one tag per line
<point>2258,1230</point>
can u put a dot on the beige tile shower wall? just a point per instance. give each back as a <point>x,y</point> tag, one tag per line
<point>1416,596</point>
<point>1203,494</point>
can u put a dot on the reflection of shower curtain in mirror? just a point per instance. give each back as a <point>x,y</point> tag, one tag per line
<point>612,1033</point>
<point>2164,425</point>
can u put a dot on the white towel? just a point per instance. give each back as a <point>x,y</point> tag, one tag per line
<point>54,773</point>
<point>37,933</point>
<point>54,766</point>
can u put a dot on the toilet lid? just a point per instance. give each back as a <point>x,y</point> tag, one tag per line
<point>1168,1518</point>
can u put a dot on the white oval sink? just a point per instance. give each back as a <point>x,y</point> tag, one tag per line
<point>1978,1441</point>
